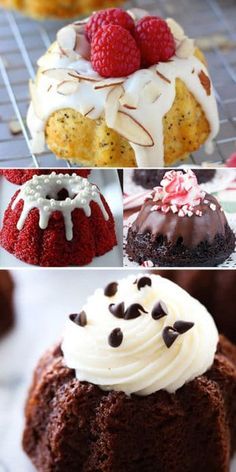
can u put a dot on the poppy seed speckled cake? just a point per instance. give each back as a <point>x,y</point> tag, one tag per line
<point>58,220</point>
<point>122,89</point>
<point>141,382</point>
<point>180,225</point>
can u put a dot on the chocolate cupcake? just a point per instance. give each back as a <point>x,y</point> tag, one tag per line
<point>141,382</point>
<point>180,225</point>
<point>6,302</point>
<point>149,178</point>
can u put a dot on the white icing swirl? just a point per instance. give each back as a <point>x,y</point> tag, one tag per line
<point>142,364</point>
<point>42,190</point>
<point>133,106</point>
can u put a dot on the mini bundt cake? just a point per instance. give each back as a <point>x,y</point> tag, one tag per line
<point>6,302</point>
<point>58,220</point>
<point>42,9</point>
<point>141,383</point>
<point>215,289</point>
<point>152,178</point>
<point>122,89</point>
<point>180,225</point>
<point>20,176</point>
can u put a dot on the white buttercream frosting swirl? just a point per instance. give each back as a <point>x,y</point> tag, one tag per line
<point>134,106</point>
<point>142,364</point>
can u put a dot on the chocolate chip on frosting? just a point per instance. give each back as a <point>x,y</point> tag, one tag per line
<point>117,309</point>
<point>183,326</point>
<point>115,338</point>
<point>79,318</point>
<point>169,335</point>
<point>159,311</point>
<point>134,311</point>
<point>143,281</point>
<point>111,289</point>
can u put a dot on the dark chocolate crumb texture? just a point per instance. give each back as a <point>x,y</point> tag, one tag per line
<point>154,392</point>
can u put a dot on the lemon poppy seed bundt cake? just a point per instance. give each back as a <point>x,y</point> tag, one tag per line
<point>141,382</point>
<point>122,89</point>
<point>42,9</point>
<point>58,220</point>
<point>180,225</point>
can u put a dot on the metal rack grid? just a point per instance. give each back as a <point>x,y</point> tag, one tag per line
<point>23,41</point>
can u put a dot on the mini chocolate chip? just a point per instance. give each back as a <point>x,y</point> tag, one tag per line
<point>169,335</point>
<point>143,281</point>
<point>111,289</point>
<point>183,326</point>
<point>117,310</point>
<point>115,338</point>
<point>79,318</point>
<point>134,311</point>
<point>159,310</point>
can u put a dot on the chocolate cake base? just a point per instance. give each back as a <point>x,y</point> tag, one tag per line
<point>6,302</point>
<point>74,426</point>
<point>152,178</point>
<point>141,247</point>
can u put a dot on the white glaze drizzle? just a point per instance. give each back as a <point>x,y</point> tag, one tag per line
<point>81,193</point>
<point>152,96</point>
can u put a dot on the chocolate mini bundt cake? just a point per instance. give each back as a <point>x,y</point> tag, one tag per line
<point>141,382</point>
<point>148,178</point>
<point>215,289</point>
<point>180,225</point>
<point>6,302</point>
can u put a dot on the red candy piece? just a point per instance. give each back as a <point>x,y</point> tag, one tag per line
<point>155,40</point>
<point>231,161</point>
<point>114,52</point>
<point>111,16</point>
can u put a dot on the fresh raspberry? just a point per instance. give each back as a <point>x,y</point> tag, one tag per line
<point>111,16</point>
<point>114,52</point>
<point>155,40</point>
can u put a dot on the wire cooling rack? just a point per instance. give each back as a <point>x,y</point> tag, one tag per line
<point>23,41</point>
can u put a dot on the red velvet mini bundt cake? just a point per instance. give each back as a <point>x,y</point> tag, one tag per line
<point>141,383</point>
<point>215,289</point>
<point>6,302</point>
<point>58,220</point>
<point>20,176</point>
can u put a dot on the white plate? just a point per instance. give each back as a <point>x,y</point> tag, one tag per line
<point>108,182</point>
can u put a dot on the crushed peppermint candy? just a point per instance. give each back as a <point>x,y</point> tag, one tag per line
<point>212,206</point>
<point>147,264</point>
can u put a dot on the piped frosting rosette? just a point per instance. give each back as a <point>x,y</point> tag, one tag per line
<point>140,335</point>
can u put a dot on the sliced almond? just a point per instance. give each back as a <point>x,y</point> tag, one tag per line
<point>130,100</point>
<point>132,130</point>
<point>163,77</point>
<point>151,92</point>
<point>112,105</point>
<point>77,75</point>
<point>66,38</point>
<point>205,81</point>
<point>67,87</point>
<point>15,127</point>
<point>89,111</point>
<point>61,74</point>
<point>185,48</point>
<point>82,46</point>
<point>108,83</point>
<point>176,29</point>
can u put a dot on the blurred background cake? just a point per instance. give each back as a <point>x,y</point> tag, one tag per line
<point>6,302</point>
<point>148,178</point>
<point>42,9</point>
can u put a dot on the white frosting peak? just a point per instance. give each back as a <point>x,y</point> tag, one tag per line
<point>142,363</point>
<point>135,110</point>
<point>42,191</point>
